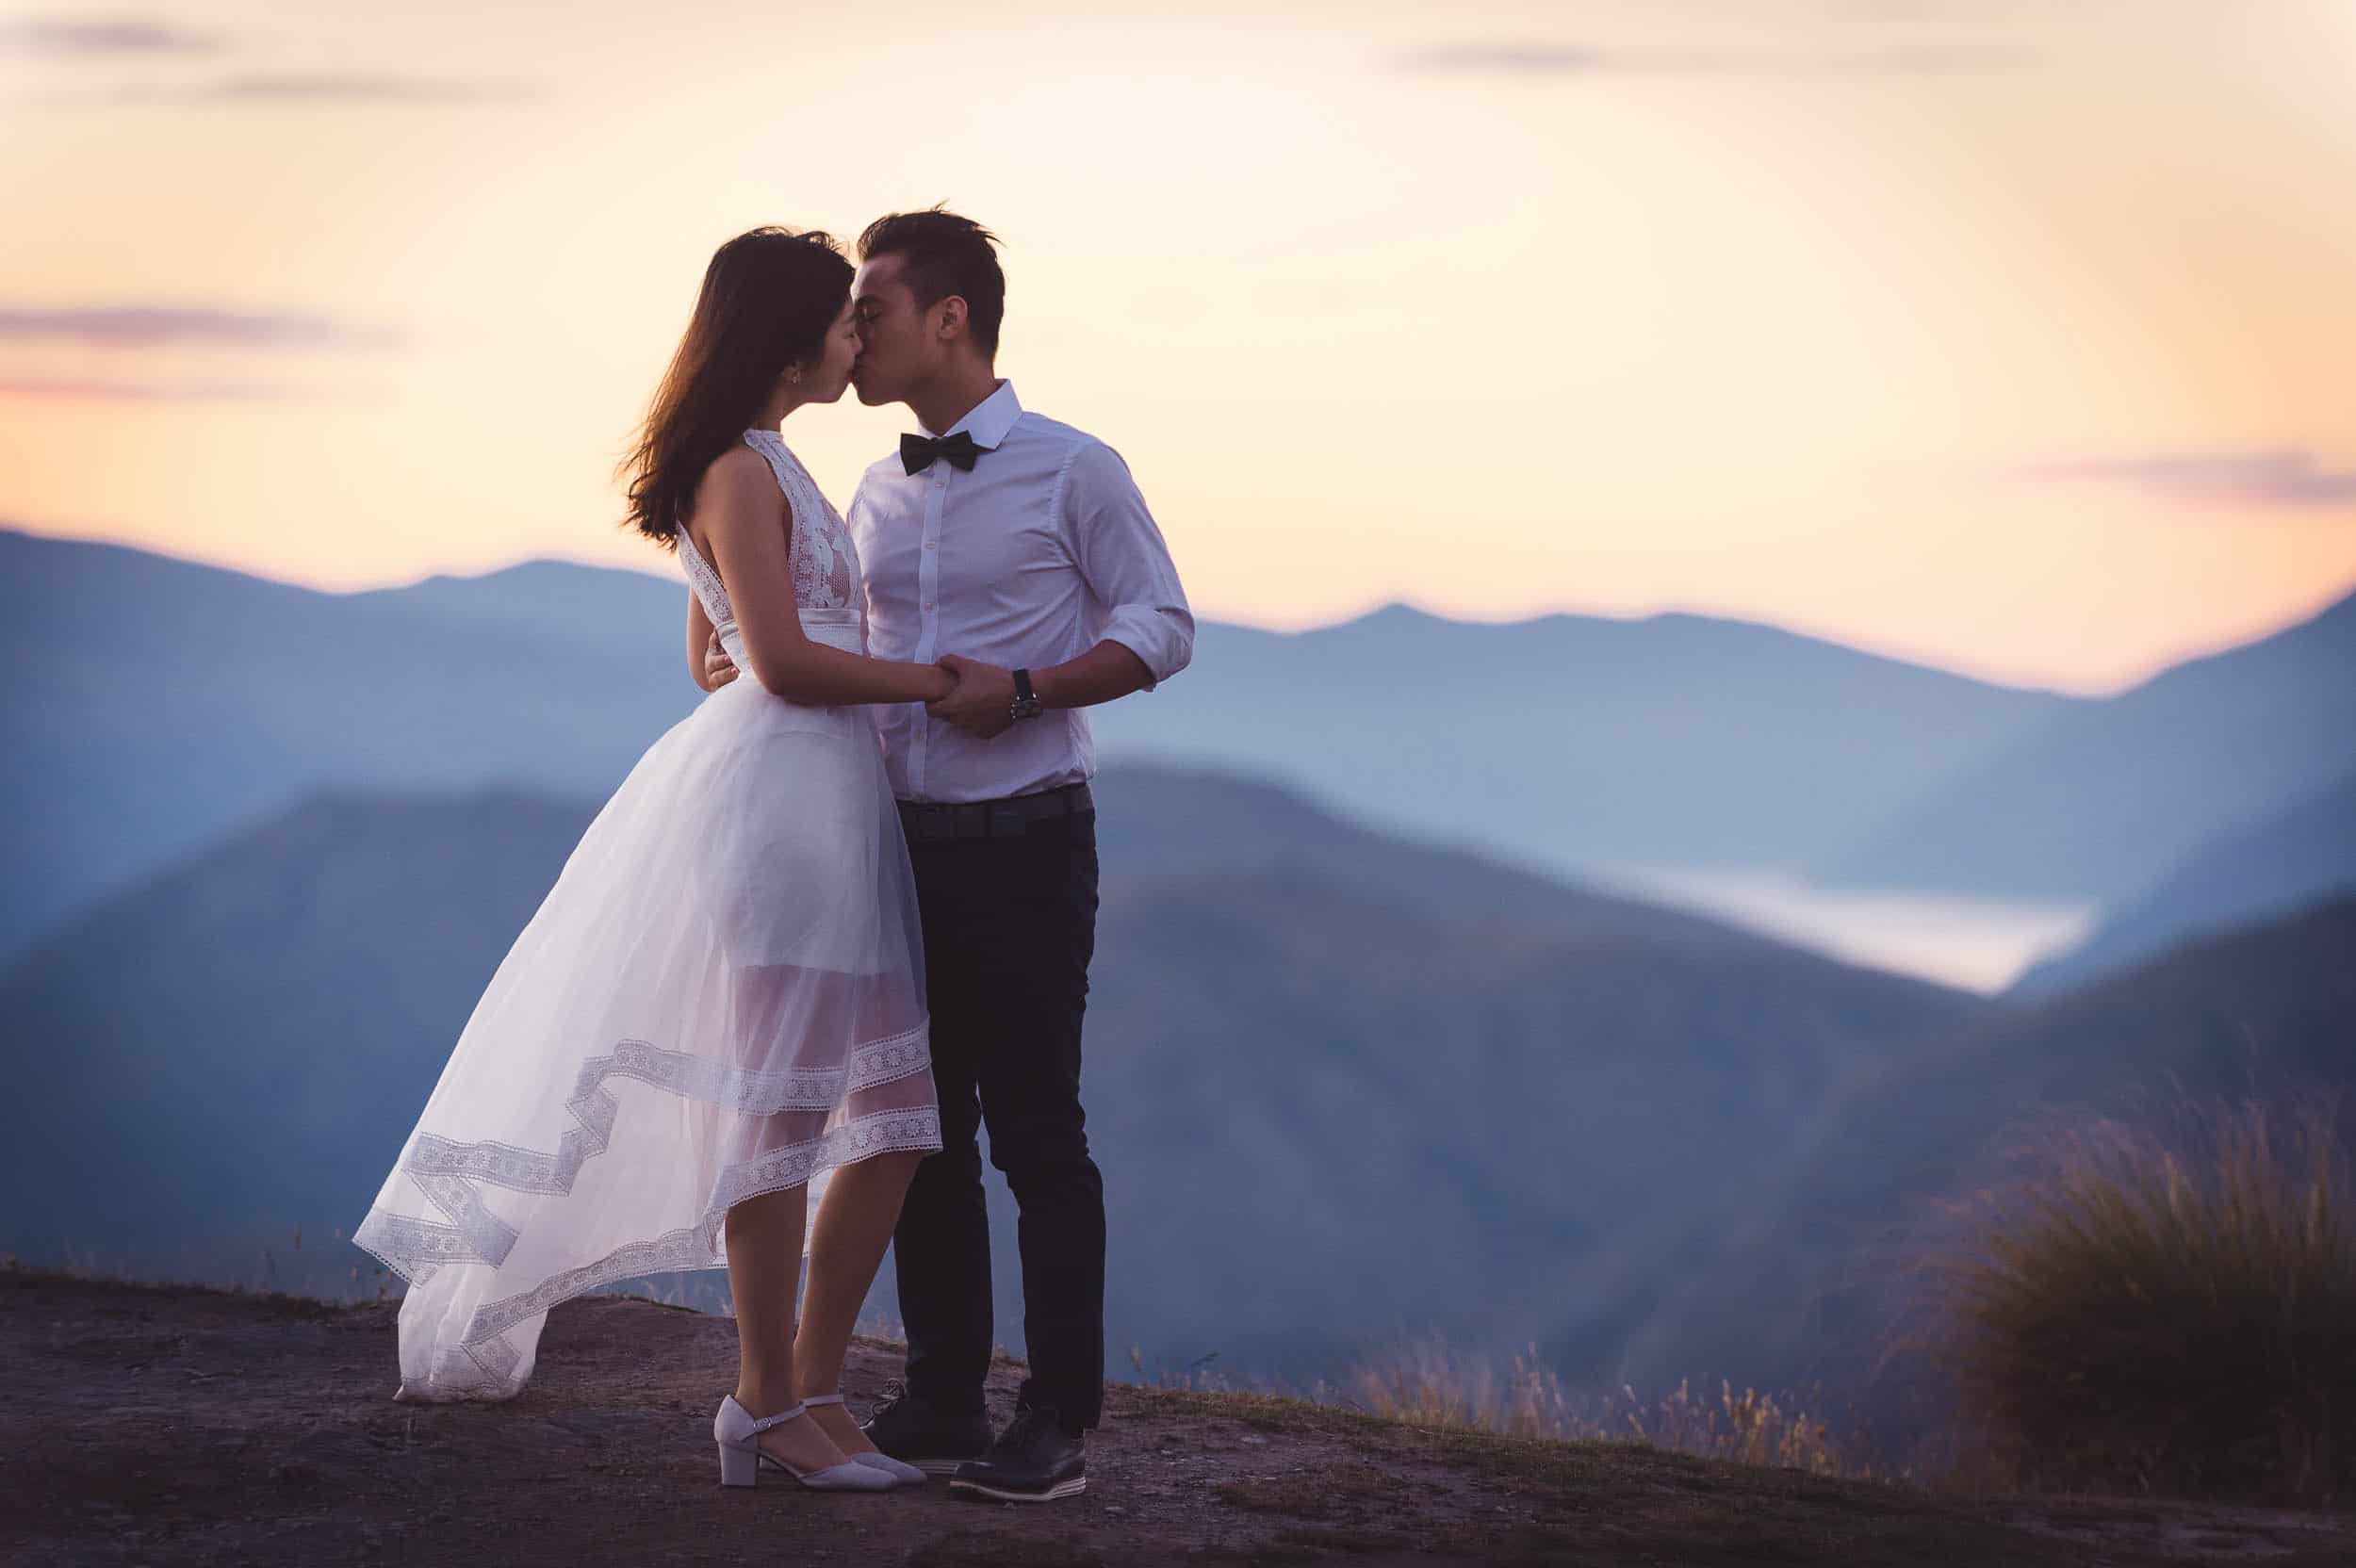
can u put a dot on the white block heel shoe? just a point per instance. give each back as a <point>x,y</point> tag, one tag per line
<point>899,1470</point>
<point>737,1432</point>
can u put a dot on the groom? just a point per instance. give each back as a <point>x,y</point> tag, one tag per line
<point>1017,552</point>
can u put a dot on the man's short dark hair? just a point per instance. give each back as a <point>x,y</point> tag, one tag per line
<point>941,254</point>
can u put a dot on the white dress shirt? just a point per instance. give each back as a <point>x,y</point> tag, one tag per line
<point>1041,550</point>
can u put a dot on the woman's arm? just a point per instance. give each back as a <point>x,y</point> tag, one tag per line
<point>698,634</point>
<point>748,523</point>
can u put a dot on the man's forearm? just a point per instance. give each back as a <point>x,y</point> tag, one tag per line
<point>1107,671</point>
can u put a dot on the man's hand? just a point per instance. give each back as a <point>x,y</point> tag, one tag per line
<point>982,705</point>
<point>719,669</point>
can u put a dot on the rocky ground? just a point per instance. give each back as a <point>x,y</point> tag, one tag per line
<point>172,1424</point>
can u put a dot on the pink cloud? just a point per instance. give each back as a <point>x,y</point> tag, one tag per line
<point>71,389</point>
<point>109,36</point>
<point>2284,477</point>
<point>178,326</point>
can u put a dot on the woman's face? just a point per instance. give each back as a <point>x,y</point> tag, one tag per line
<point>831,374</point>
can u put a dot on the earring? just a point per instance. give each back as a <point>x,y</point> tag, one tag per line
<point>793,373</point>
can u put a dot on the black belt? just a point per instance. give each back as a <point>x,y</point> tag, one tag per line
<point>939,822</point>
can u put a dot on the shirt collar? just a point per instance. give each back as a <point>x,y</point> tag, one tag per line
<point>989,420</point>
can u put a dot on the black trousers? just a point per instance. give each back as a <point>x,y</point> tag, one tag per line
<point>1009,927</point>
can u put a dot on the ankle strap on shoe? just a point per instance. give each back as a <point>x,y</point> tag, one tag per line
<point>762,1423</point>
<point>822,1399</point>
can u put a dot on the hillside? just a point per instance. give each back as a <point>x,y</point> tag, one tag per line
<point>2269,1010</point>
<point>1294,1070</point>
<point>216,1054</point>
<point>1309,1047</point>
<point>1166,820</point>
<point>284,1447</point>
<point>2293,859</point>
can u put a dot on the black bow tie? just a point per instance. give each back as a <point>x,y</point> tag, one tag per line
<point>917,452</point>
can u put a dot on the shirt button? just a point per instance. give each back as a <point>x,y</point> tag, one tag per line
<point>928,543</point>
<point>928,607</point>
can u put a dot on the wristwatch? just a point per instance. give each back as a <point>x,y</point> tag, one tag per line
<point>1025,704</point>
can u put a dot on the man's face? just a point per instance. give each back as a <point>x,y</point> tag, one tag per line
<point>895,351</point>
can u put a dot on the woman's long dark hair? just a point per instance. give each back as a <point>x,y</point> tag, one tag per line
<point>769,298</point>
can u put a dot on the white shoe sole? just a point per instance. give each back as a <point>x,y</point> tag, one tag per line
<point>1061,1489</point>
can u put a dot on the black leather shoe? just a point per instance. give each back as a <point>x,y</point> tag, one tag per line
<point>913,1432</point>
<point>1034,1461</point>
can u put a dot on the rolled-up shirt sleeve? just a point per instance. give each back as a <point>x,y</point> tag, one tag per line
<point>1125,563</point>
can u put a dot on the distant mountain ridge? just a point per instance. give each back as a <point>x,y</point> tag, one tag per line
<point>155,705</point>
<point>1572,743</point>
<point>215,699</point>
<point>2102,799</point>
<point>1580,743</point>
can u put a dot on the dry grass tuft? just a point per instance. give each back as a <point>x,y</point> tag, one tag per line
<point>2171,1312</point>
<point>1430,1387</point>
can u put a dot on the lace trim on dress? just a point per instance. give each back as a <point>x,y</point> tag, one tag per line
<point>447,1173</point>
<point>821,556</point>
<point>877,1133</point>
<point>704,579</point>
<point>824,560</point>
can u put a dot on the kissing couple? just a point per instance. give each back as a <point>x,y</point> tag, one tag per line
<point>836,919</point>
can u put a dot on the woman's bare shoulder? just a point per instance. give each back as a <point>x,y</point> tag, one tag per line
<point>739,480</point>
<point>738,467</point>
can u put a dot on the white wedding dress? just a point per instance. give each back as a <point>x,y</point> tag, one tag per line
<point>722,996</point>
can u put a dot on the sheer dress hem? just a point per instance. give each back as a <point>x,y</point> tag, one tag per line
<point>483,1363</point>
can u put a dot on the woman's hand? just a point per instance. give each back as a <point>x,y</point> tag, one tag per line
<point>719,669</point>
<point>983,703</point>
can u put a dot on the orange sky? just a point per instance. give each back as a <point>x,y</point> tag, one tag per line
<point>2012,343</point>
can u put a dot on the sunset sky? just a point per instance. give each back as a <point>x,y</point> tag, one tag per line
<point>2016,337</point>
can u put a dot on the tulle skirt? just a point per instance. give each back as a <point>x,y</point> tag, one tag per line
<point>722,996</point>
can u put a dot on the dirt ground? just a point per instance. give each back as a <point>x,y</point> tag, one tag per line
<point>173,1425</point>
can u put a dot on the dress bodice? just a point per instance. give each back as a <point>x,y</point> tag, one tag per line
<point>828,589</point>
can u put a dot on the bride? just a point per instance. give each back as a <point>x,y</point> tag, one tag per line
<point>723,996</point>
